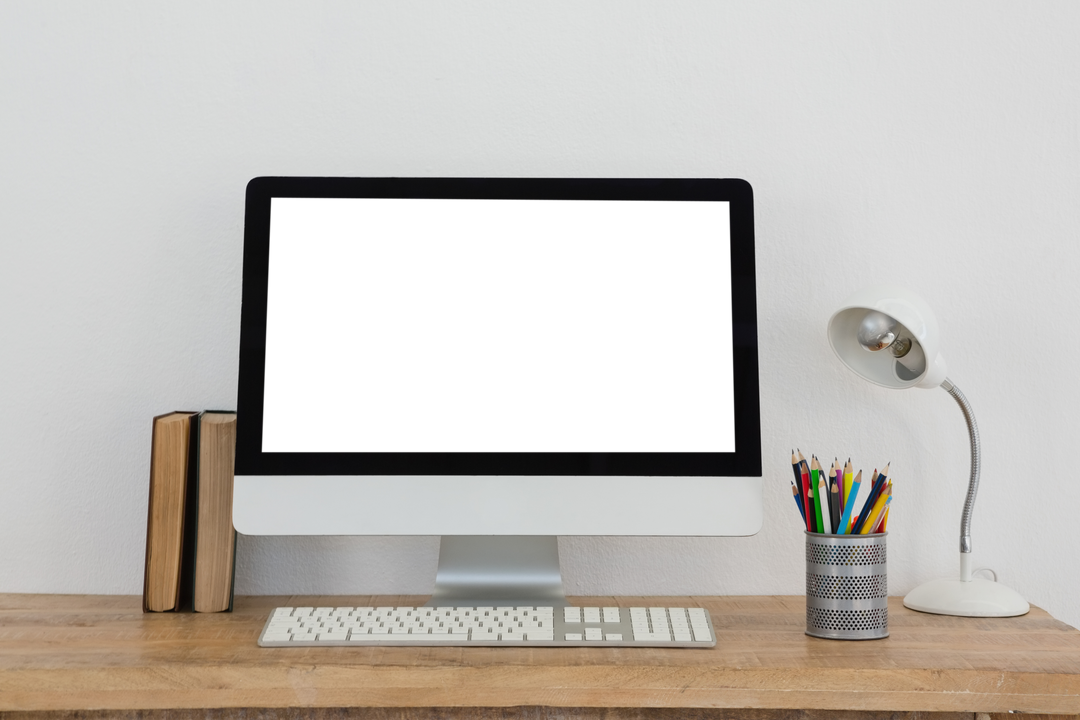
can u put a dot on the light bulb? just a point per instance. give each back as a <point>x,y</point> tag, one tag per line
<point>877,331</point>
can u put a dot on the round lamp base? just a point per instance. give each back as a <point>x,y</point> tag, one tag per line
<point>978,598</point>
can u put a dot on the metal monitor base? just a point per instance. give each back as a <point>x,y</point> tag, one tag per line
<point>498,570</point>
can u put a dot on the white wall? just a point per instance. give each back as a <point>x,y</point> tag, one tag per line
<point>932,144</point>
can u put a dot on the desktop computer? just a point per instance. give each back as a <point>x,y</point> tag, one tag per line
<point>498,361</point>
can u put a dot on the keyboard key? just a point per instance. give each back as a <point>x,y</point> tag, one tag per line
<point>573,636</point>
<point>333,635</point>
<point>652,637</point>
<point>611,614</point>
<point>276,637</point>
<point>422,639</point>
<point>571,614</point>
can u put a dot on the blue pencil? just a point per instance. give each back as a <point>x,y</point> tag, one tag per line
<point>795,494</point>
<point>845,519</point>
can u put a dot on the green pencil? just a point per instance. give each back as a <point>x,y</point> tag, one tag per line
<point>815,470</point>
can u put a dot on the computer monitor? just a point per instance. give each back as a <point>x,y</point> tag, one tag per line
<point>499,362</point>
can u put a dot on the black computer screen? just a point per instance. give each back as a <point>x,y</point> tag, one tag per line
<point>498,337</point>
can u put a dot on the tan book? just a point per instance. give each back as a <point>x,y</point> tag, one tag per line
<point>170,476</point>
<point>215,538</point>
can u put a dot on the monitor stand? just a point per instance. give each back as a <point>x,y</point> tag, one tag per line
<point>498,570</point>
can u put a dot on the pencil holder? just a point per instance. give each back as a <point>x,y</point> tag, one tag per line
<point>847,588</point>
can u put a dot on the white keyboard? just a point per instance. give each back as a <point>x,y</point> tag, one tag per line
<point>489,626</point>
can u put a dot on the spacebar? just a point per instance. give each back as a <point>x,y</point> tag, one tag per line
<point>461,638</point>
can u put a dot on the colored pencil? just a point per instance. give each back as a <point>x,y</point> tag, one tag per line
<point>832,476</point>
<point>823,491</point>
<point>797,470</point>
<point>839,480</point>
<point>826,517</point>
<point>868,505</point>
<point>875,501</point>
<point>798,501</point>
<point>815,469</point>
<point>875,514</point>
<point>880,527</point>
<point>833,517</point>
<point>807,493</point>
<point>884,521</point>
<point>834,508</point>
<point>853,492</point>
<point>848,474</point>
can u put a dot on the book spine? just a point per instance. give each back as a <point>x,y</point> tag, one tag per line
<point>195,525</point>
<point>149,516</point>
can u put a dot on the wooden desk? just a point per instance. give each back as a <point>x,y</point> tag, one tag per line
<point>94,654</point>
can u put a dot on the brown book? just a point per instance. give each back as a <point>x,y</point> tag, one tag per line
<point>170,477</point>
<point>215,538</point>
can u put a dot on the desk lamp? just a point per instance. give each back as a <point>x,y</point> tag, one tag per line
<point>889,336</point>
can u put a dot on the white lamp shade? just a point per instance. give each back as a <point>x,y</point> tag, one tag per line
<point>923,366</point>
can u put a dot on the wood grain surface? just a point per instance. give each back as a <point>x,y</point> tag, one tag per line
<point>80,656</point>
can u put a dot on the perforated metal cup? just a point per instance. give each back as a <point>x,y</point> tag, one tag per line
<point>847,587</point>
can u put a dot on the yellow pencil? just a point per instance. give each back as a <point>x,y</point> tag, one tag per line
<point>875,513</point>
<point>881,521</point>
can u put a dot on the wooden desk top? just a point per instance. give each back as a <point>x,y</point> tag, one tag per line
<point>78,652</point>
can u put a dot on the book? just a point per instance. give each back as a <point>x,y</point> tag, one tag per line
<point>167,579</point>
<point>215,538</point>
